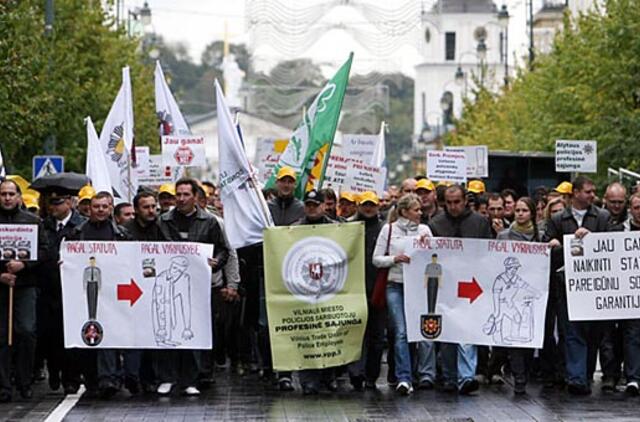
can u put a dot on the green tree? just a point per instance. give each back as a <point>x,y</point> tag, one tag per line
<point>48,84</point>
<point>586,88</point>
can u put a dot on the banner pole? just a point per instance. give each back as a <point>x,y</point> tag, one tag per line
<point>10,327</point>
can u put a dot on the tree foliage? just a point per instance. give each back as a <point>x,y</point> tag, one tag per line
<point>49,84</point>
<point>588,87</point>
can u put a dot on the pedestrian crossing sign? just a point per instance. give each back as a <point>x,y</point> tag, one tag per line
<point>45,165</point>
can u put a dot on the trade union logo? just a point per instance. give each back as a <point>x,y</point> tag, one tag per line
<point>183,155</point>
<point>315,269</point>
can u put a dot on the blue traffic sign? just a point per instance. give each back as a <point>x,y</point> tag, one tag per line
<point>44,165</point>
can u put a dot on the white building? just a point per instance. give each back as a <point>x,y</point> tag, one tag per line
<point>452,33</point>
<point>578,6</point>
<point>546,23</point>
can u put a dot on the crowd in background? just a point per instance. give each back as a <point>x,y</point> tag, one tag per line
<point>192,211</point>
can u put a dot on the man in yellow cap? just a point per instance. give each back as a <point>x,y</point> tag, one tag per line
<point>565,189</point>
<point>84,200</point>
<point>347,206</point>
<point>166,197</point>
<point>365,372</point>
<point>426,191</point>
<point>30,202</point>
<point>285,210</point>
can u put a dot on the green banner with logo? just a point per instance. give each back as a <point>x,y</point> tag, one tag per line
<point>316,304</point>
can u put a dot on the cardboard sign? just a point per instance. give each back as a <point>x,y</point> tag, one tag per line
<point>359,147</point>
<point>346,174</point>
<point>444,166</point>
<point>183,151</point>
<point>477,159</point>
<point>19,242</point>
<point>576,156</point>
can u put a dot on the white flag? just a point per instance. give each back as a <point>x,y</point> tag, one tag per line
<point>171,121</point>
<point>379,158</point>
<point>97,169</point>
<point>245,211</point>
<point>116,140</point>
<point>3,172</point>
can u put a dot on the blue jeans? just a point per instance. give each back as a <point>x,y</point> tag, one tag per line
<point>395,307</point>
<point>459,362</point>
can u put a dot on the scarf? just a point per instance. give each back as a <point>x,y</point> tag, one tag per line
<point>523,228</point>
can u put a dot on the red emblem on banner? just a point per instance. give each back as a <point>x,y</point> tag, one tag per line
<point>183,155</point>
<point>315,270</point>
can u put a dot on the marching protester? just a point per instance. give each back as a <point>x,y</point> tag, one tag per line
<point>60,223</point>
<point>100,368</point>
<point>509,197</point>
<point>17,279</point>
<point>188,223</point>
<point>347,206</point>
<point>426,191</point>
<point>404,221</point>
<point>330,203</point>
<point>84,200</point>
<point>522,229</point>
<point>459,361</point>
<point>123,212</point>
<point>583,338</point>
<point>166,197</point>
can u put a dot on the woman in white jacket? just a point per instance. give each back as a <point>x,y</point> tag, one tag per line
<point>405,222</point>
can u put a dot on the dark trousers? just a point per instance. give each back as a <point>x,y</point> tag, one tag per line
<point>24,336</point>
<point>111,368</point>
<point>178,367</point>
<point>611,354</point>
<point>368,366</point>
<point>631,330</point>
<point>553,350</point>
<point>61,362</point>
<point>520,359</point>
<point>226,328</point>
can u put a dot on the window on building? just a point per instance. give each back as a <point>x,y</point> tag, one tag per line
<point>450,45</point>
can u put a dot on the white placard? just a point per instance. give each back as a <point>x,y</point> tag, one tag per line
<point>268,152</point>
<point>349,175</point>
<point>602,273</point>
<point>142,161</point>
<point>444,166</point>
<point>19,241</point>
<point>159,174</point>
<point>477,159</point>
<point>359,147</point>
<point>501,302</point>
<point>576,156</point>
<point>183,151</point>
<point>153,295</point>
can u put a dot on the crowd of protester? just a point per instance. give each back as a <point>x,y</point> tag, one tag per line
<point>193,211</point>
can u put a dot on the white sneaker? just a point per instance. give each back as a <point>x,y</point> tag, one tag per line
<point>164,388</point>
<point>191,391</point>
<point>404,388</point>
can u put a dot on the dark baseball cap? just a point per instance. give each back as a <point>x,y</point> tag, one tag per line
<point>314,196</point>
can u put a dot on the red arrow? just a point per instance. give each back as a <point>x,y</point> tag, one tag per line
<point>469,290</point>
<point>130,292</point>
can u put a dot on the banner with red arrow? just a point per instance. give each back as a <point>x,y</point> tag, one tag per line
<point>130,292</point>
<point>469,290</point>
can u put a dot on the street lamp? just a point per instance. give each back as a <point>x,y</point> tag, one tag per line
<point>459,77</point>
<point>139,13</point>
<point>481,49</point>
<point>503,21</point>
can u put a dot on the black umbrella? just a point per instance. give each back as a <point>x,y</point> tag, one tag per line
<point>69,182</point>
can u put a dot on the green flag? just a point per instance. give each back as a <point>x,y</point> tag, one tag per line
<point>315,133</point>
<point>315,293</point>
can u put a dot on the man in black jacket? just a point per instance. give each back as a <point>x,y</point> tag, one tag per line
<point>188,223</point>
<point>285,208</point>
<point>459,361</point>
<point>100,367</point>
<point>367,369</point>
<point>61,363</point>
<point>580,218</point>
<point>21,277</point>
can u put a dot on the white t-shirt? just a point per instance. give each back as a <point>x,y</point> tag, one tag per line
<point>578,215</point>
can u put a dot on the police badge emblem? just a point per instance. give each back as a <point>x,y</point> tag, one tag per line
<point>430,326</point>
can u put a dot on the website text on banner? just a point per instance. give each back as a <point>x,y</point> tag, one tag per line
<point>144,295</point>
<point>476,291</point>
<point>316,305</point>
<point>602,272</point>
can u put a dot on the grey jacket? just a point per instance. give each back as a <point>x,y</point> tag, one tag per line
<point>285,211</point>
<point>231,270</point>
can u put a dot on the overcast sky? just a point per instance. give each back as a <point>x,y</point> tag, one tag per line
<point>198,22</point>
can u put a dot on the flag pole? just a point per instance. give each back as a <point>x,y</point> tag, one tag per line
<point>10,327</point>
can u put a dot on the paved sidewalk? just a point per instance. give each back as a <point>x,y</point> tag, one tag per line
<point>247,398</point>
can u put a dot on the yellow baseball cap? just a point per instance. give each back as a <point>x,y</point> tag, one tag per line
<point>286,172</point>
<point>564,188</point>
<point>444,183</point>
<point>167,188</point>
<point>476,186</point>
<point>369,196</point>
<point>348,196</point>
<point>30,201</point>
<point>87,192</point>
<point>425,184</point>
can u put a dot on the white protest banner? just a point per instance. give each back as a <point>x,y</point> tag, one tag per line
<point>142,161</point>
<point>444,166</point>
<point>346,174</point>
<point>476,291</point>
<point>152,295</point>
<point>477,159</point>
<point>268,152</point>
<point>602,273</point>
<point>159,174</point>
<point>359,147</point>
<point>576,156</point>
<point>183,151</point>
<point>19,241</point>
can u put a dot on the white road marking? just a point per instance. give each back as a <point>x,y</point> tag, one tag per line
<point>65,406</point>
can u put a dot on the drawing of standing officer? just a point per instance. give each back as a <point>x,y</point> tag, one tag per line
<point>92,282</point>
<point>432,276</point>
